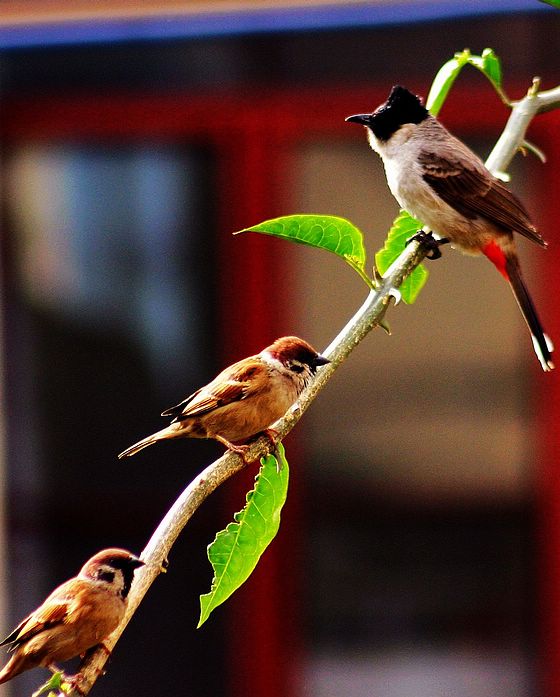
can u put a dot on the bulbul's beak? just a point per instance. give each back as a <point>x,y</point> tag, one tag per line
<point>362,119</point>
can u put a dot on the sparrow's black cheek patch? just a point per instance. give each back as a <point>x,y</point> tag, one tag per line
<point>108,576</point>
<point>128,575</point>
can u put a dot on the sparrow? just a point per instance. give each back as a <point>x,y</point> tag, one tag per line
<point>76,616</point>
<point>244,399</point>
<point>440,181</point>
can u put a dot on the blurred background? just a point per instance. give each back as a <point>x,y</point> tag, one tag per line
<point>419,548</point>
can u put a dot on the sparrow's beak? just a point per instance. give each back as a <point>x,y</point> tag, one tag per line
<point>320,360</point>
<point>362,119</point>
<point>136,563</point>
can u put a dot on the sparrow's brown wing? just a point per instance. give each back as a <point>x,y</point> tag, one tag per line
<point>231,385</point>
<point>178,408</point>
<point>59,608</point>
<point>13,636</point>
<point>52,612</point>
<point>474,192</point>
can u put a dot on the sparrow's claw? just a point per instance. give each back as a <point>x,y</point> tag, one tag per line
<point>106,650</point>
<point>240,450</point>
<point>76,682</point>
<point>429,241</point>
<point>273,436</point>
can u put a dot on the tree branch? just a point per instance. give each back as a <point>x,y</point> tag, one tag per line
<point>366,318</point>
<point>522,114</point>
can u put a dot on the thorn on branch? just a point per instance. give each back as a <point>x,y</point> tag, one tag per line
<point>535,86</point>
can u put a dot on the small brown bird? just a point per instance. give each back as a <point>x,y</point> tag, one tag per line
<point>439,180</point>
<point>75,617</point>
<point>244,399</point>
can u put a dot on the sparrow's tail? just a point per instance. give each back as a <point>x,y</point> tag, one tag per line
<point>541,343</point>
<point>16,665</point>
<point>149,440</point>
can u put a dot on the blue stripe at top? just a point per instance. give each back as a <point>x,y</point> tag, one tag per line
<point>253,21</point>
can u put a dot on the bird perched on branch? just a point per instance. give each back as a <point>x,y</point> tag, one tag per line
<point>437,179</point>
<point>244,399</point>
<point>77,616</point>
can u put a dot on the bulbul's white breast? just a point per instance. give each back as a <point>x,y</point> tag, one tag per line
<point>405,179</point>
<point>399,155</point>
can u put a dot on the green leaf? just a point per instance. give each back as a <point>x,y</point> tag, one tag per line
<point>336,235</point>
<point>56,686</point>
<point>236,550</point>
<point>554,3</point>
<point>492,67</point>
<point>404,227</point>
<point>489,64</point>
<point>444,80</point>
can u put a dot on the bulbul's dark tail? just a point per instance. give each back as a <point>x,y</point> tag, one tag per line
<point>541,343</point>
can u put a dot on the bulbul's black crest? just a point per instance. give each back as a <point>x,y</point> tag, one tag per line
<point>401,107</point>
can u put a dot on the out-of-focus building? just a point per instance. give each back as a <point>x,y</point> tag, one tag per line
<point>418,550</point>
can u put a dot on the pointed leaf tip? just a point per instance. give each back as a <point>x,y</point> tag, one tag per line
<point>328,232</point>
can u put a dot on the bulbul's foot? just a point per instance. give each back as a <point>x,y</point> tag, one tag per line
<point>430,242</point>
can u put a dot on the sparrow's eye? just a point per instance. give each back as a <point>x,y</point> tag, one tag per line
<point>108,576</point>
<point>297,368</point>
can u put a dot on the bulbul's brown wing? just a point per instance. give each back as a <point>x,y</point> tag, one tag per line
<point>231,385</point>
<point>473,192</point>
